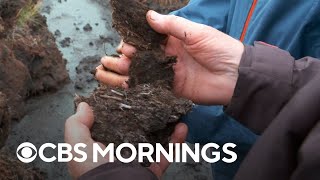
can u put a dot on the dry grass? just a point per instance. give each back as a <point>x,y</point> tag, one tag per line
<point>28,13</point>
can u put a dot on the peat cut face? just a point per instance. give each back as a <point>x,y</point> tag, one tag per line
<point>10,168</point>
<point>149,64</point>
<point>129,19</point>
<point>144,114</point>
<point>4,119</point>
<point>151,67</point>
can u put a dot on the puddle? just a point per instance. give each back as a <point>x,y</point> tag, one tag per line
<point>69,15</point>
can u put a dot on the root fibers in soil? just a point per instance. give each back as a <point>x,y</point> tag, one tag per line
<point>148,111</point>
<point>13,169</point>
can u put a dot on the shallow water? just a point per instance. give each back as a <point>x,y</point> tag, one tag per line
<point>67,16</point>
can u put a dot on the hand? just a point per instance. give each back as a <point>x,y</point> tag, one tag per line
<point>77,130</point>
<point>179,136</point>
<point>208,60</point>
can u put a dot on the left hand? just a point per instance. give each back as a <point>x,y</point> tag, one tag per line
<point>77,130</point>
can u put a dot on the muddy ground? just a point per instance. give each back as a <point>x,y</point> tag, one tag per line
<point>31,63</point>
<point>46,114</point>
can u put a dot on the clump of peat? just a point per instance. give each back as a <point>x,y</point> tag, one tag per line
<point>4,119</point>
<point>149,64</point>
<point>30,62</point>
<point>165,6</point>
<point>13,169</point>
<point>148,111</point>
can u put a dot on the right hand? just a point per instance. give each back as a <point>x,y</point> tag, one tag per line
<point>207,65</point>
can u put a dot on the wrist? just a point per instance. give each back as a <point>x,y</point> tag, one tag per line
<point>233,71</point>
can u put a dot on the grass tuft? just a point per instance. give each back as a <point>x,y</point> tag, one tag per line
<point>28,13</point>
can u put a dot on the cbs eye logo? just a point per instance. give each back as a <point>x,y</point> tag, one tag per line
<point>25,151</point>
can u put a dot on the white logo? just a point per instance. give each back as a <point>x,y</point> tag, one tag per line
<point>25,151</point>
<point>78,153</point>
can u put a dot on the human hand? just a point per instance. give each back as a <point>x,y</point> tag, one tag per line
<point>179,136</point>
<point>77,130</point>
<point>207,65</point>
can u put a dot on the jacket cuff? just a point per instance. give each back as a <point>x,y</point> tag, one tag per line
<point>118,170</point>
<point>263,87</point>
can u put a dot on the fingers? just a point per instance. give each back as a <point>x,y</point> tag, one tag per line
<point>178,27</point>
<point>119,65</point>
<point>77,127</point>
<point>110,78</point>
<point>84,115</point>
<point>180,133</point>
<point>126,49</point>
<point>179,136</point>
<point>77,130</point>
<point>119,48</point>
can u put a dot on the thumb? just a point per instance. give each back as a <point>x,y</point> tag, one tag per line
<point>77,127</point>
<point>85,115</point>
<point>178,27</point>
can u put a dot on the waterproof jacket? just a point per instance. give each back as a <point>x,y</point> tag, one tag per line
<point>292,25</point>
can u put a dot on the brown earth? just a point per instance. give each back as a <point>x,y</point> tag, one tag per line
<point>11,169</point>
<point>165,6</point>
<point>148,111</point>
<point>30,62</point>
<point>161,6</point>
<point>4,120</point>
<point>149,64</point>
<point>144,114</point>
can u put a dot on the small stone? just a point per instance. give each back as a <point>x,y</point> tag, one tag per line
<point>87,28</point>
<point>65,42</point>
<point>57,33</point>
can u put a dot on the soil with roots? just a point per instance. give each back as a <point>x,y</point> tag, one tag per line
<point>4,119</point>
<point>13,169</point>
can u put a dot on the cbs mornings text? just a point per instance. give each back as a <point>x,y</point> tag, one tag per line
<point>27,152</point>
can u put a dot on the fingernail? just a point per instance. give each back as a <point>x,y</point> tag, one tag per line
<point>125,85</point>
<point>154,15</point>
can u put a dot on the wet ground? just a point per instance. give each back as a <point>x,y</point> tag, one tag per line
<point>82,28</point>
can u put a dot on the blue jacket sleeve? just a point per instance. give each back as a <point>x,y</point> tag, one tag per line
<point>213,13</point>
